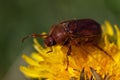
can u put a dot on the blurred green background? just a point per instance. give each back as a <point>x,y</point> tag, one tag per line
<point>19,18</point>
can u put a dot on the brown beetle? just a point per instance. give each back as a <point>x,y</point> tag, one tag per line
<point>73,32</point>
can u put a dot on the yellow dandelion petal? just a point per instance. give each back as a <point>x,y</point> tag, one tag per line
<point>117,35</point>
<point>38,47</point>
<point>108,28</point>
<point>37,57</point>
<point>29,73</point>
<point>117,57</point>
<point>33,73</point>
<point>29,60</point>
<point>106,42</point>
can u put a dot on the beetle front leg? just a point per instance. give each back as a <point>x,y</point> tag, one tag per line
<point>51,50</point>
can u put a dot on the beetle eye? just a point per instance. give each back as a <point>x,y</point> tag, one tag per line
<point>49,41</point>
<point>52,43</point>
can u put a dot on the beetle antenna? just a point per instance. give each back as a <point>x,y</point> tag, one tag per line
<point>34,35</point>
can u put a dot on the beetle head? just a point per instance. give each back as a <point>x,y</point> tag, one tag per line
<point>49,41</point>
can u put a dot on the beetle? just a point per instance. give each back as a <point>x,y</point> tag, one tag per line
<point>73,32</point>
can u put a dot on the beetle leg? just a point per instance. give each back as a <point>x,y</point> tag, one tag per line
<point>68,53</point>
<point>69,50</point>
<point>51,50</point>
<point>103,51</point>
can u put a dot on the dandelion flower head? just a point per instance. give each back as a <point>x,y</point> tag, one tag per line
<point>85,63</point>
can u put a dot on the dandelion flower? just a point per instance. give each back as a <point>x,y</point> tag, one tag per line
<point>85,63</point>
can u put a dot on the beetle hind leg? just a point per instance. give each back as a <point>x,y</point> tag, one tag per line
<point>98,47</point>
